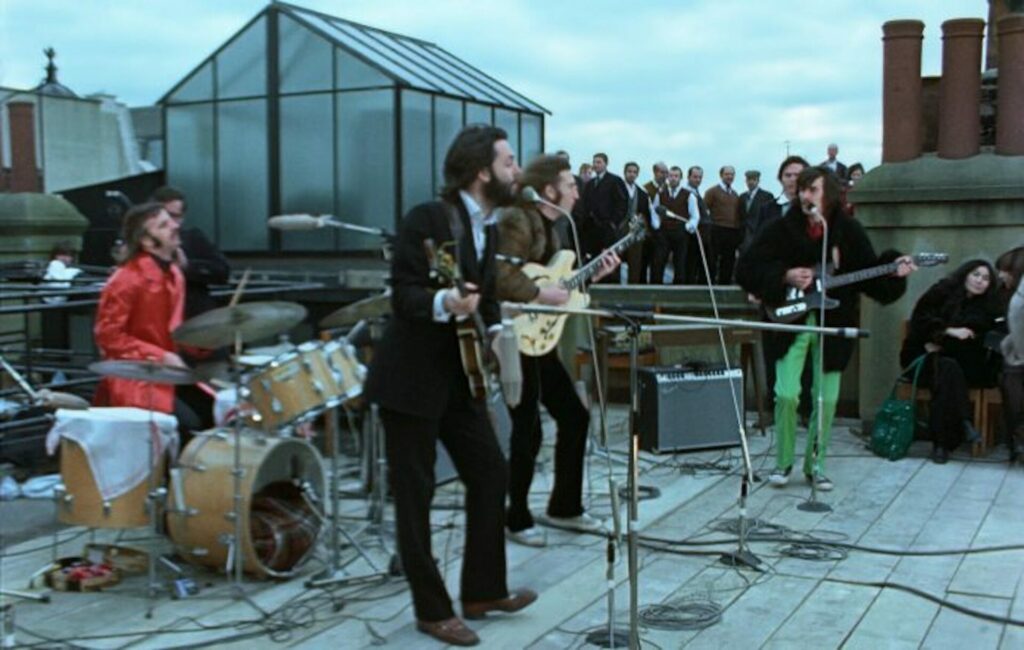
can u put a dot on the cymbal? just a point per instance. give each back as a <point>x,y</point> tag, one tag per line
<point>148,371</point>
<point>53,399</point>
<point>372,307</point>
<point>249,321</point>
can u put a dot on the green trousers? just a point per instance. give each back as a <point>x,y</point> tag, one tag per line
<point>788,371</point>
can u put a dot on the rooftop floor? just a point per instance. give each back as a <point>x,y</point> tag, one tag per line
<point>863,600</point>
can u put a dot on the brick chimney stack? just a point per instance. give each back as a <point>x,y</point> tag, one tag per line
<point>1010,107</point>
<point>902,132</point>
<point>24,170</point>
<point>960,88</point>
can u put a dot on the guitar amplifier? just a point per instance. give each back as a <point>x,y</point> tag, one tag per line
<point>686,409</point>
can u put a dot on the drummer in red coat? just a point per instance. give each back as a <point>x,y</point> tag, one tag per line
<point>141,304</point>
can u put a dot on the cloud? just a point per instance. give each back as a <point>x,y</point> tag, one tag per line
<point>698,82</point>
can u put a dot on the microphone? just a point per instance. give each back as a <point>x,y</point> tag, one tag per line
<point>665,213</point>
<point>530,195</point>
<point>296,222</point>
<point>507,351</point>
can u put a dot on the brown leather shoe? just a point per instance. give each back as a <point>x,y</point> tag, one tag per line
<point>515,601</point>
<point>451,631</point>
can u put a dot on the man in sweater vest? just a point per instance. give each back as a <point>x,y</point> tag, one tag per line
<point>723,204</point>
<point>674,234</point>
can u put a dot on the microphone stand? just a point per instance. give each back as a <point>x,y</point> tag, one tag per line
<point>812,504</point>
<point>631,318</point>
<point>742,556</point>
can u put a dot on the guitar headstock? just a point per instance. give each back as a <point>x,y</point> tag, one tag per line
<point>444,269</point>
<point>930,259</point>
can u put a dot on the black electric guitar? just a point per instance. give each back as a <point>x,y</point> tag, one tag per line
<point>799,302</point>
<point>479,366</point>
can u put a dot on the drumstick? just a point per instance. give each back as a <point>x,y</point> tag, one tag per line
<point>241,288</point>
<point>206,388</point>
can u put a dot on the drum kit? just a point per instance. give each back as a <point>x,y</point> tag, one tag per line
<point>248,496</point>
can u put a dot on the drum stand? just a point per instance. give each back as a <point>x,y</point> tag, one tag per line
<point>335,574</point>
<point>154,502</point>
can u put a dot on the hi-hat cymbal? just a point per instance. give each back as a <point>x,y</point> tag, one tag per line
<point>53,399</point>
<point>246,322</point>
<point>367,308</point>
<point>148,371</point>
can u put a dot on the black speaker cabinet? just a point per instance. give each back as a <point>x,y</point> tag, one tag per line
<point>683,409</point>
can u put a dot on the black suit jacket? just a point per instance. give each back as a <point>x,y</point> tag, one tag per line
<point>418,359</point>
<point>206,266</point>
<point>760,199</point>
<point>604,205</point>
<point>840,169</point>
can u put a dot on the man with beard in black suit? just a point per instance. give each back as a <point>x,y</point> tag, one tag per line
<point>419,383</point>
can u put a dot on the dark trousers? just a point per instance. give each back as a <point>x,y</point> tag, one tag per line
<point>545,381</point>
<point>723,256</point>
<point>673,242</point>
<point>411,450</point>
<point>636,257</point>
<point>694,263</point>
<point>950,405</point>
<point>1012,385</point>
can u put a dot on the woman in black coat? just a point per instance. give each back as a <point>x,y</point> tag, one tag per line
<point>950,322</point>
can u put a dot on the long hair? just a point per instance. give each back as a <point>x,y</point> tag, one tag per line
<point>541,172</point>
<point>956,291</point>
<point>832,191</point>
<point>470,152</point>
<point>133,228</point>
<point>1012,262</point>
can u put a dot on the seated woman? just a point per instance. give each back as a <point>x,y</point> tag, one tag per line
<point>1011,267</point>
<point>950,321</point>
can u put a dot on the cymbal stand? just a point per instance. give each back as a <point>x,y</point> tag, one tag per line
<point>155,500</point>
<point>236,553</point>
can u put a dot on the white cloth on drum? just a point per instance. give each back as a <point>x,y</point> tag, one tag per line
<point>225,404</point>
<point>116,442</point>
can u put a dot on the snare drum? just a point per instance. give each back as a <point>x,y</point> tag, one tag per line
<point>282,490</point>
<point>294,387</point>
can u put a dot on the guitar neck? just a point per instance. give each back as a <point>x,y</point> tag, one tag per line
<point>834,281</point>
<point>588,270</point>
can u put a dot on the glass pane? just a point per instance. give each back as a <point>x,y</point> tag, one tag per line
<point>477,113</point>
<point>305,58</point>
<point>307,166</point>
<point>198,87</point>
<point>190,159</point>
<point>366,165</point>
<point>447,124</point>
<point>242,175</point>
<point>532,136</point>
<point>353,73</point>
<point>418,184</point>
<point>242,65</point>
<point>509,120</point>
<point>357,42</point>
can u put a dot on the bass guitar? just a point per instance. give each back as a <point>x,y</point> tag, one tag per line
<point>538,334</point>
<point>799,303</point>
<point>479,366</point>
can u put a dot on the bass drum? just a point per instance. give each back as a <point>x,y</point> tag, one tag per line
<point>282,490</point>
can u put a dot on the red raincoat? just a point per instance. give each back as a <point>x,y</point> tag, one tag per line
<point>140,306</point>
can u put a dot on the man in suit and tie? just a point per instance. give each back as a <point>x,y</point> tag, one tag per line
<point>655,244</point>
<point>752,200</point>
<point>833,165</point>
<point>605,204</point>
<point>418,381</point>
<point>638,204</point>
<point>723,204</point>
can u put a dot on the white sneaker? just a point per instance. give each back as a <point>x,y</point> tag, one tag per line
<point>779,477</point>
<point>531,536</point>
<point>583,523</point>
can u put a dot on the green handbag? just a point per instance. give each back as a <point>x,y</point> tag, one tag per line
<point>895,420</point>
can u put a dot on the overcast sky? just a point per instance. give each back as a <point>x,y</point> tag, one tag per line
<point>706,82</point>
